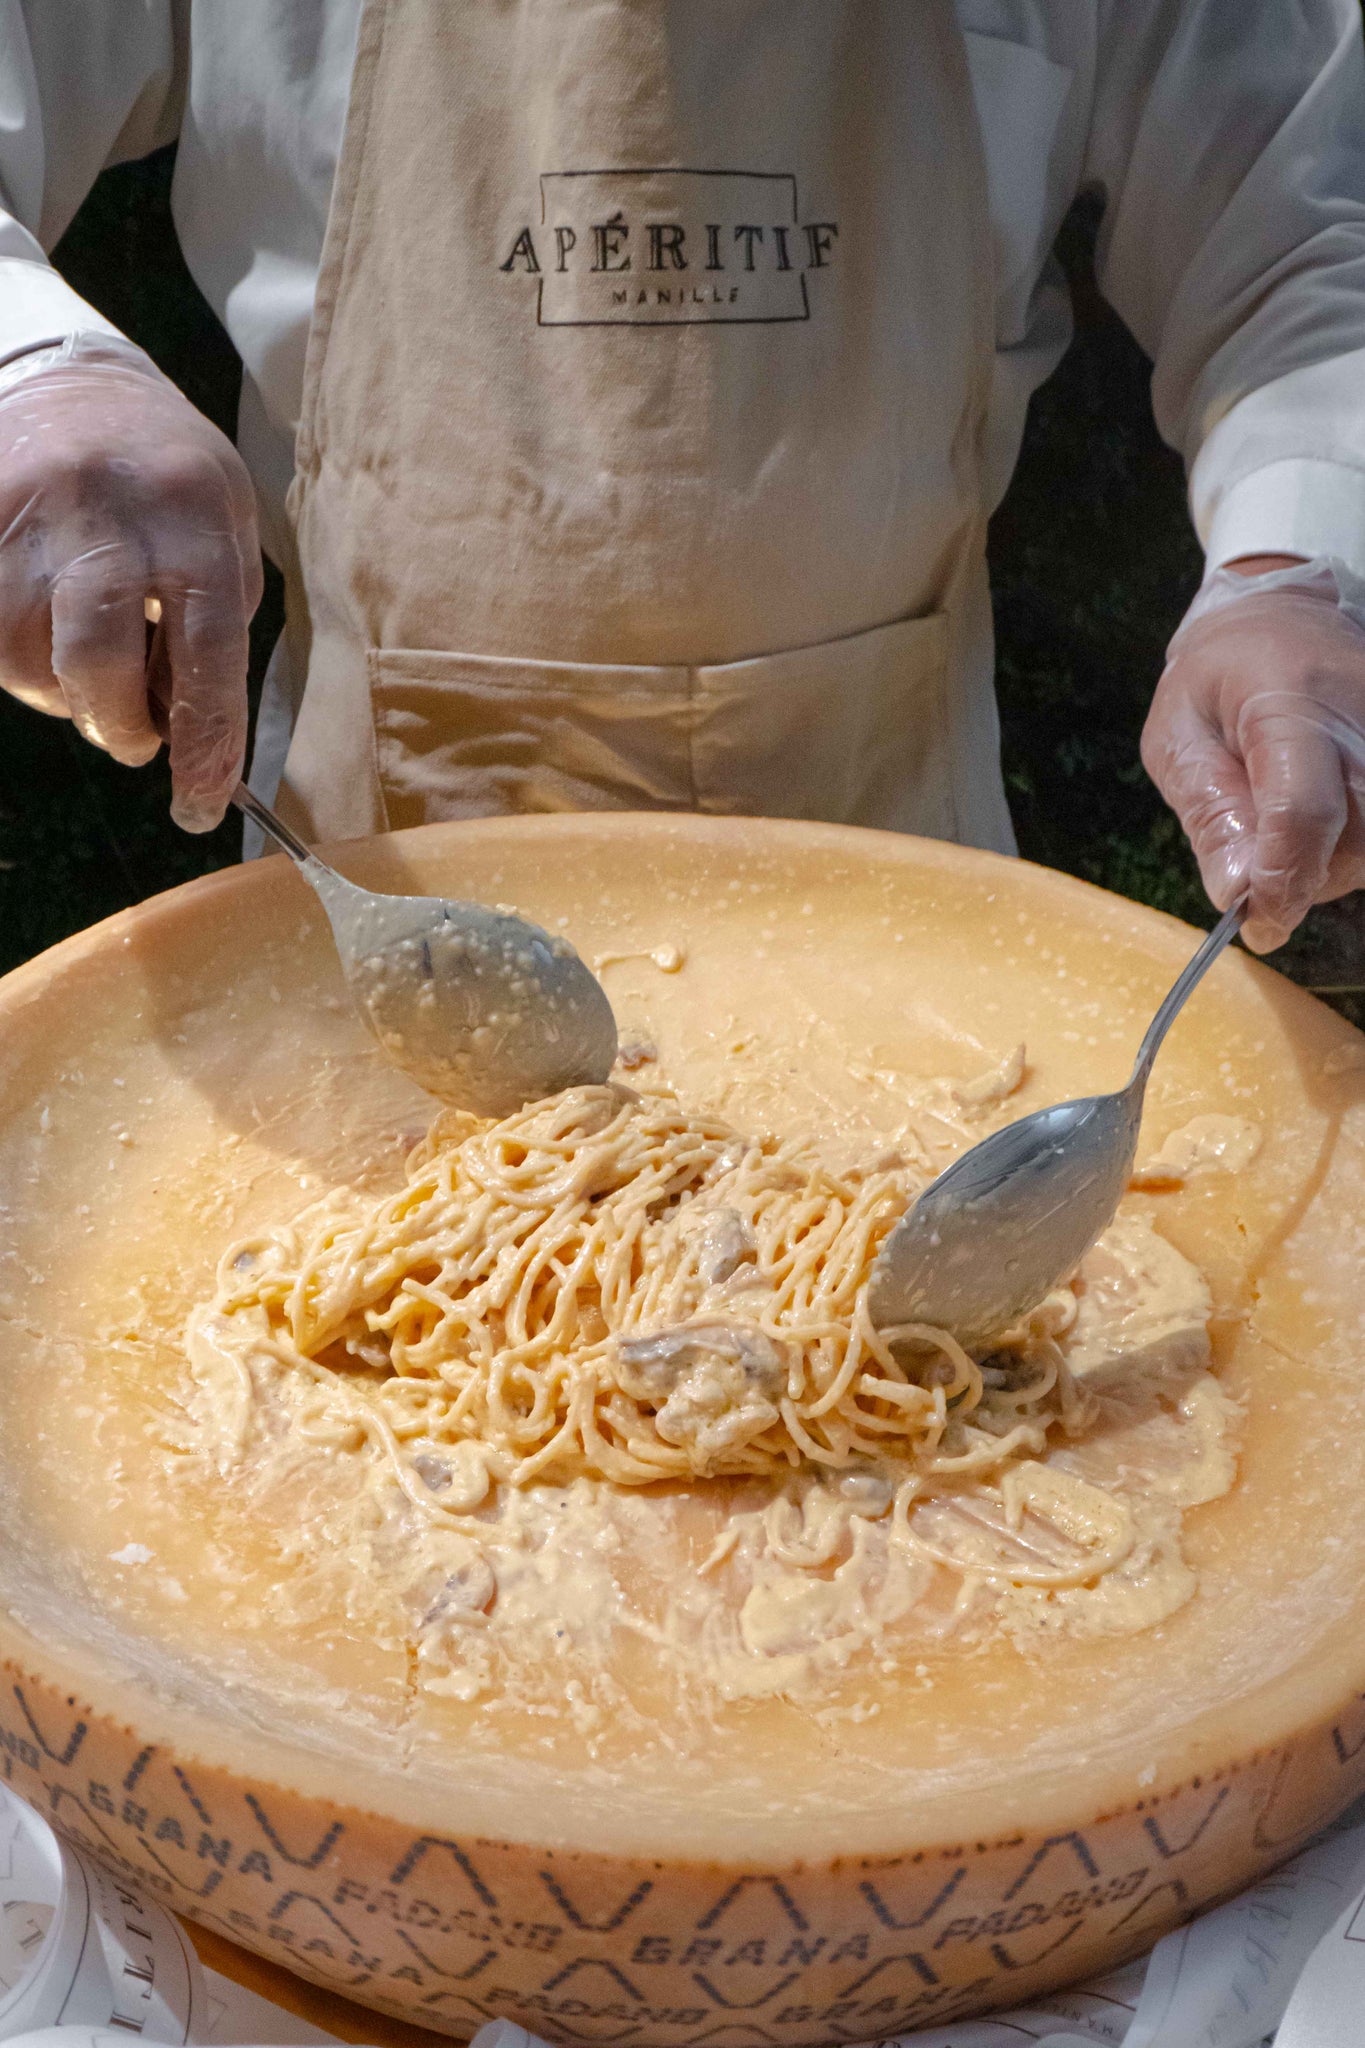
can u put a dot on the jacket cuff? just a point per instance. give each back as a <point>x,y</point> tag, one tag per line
<point>1282,470</point>
<point>36,305</point>
<point>1301,506</point>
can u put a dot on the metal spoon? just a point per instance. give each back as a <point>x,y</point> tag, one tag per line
<point>480,1007</point>
<point>1011,1218</point>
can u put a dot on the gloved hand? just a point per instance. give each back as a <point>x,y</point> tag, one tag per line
<point>115,490</point>
<point>1256,738</point>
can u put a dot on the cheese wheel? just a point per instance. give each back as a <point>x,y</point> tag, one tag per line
<point>919,1837</point>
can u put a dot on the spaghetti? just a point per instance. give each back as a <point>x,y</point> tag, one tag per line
<point>608,1284</point>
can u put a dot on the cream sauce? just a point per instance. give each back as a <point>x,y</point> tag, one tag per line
<point>1206,1144</point>
<point>995,1085</point>
<point>668,958</point>
<point>744,1589</point>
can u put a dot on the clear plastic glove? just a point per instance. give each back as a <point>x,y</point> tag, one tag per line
<point>114,490</point>
<point>1256,739</point>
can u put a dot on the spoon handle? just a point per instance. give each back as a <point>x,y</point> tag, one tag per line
<point>1221,935</point>
<point>159,704</point>
<point>252,807</point>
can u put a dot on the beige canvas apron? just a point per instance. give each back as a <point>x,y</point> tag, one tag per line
<point>639,463</point>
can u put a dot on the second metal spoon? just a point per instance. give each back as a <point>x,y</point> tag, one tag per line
<point>1010,1219</point>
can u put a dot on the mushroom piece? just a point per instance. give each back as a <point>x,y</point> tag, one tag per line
<point>720,1240</point>
<point>452,1596</point>
<point>714,1386</point>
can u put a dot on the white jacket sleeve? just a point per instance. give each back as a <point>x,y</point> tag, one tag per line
<point>83,83</point>
<point>1229,142</point>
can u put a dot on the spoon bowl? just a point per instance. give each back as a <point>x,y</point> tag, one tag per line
<point>1004,1223</point>
<point>1013,1217</point>
<point>480,1007</point>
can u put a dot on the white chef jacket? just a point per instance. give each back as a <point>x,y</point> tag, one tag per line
<point>1227,137</point>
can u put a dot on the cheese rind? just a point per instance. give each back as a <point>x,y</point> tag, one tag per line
<point>1013,1815</point>
<point>448,1929</point>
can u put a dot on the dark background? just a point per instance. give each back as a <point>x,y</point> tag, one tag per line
<point>1092,561</point>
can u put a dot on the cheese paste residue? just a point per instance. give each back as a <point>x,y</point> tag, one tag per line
<point>1206,1144</point>
<point>743,1583</point>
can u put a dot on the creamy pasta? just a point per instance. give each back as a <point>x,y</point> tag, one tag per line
<point>610,1284</point>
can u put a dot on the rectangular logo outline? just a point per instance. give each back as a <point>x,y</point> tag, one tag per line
<point>678,171</point>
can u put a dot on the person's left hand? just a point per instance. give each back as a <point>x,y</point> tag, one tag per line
<point>1256,739</point>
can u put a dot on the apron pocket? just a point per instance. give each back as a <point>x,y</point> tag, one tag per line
<point>851,731</point>
<point>476,735</point>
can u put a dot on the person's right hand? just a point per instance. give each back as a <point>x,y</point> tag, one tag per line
<point>114,490</point>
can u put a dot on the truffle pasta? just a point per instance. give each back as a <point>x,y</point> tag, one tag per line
<point>609,1284</point>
